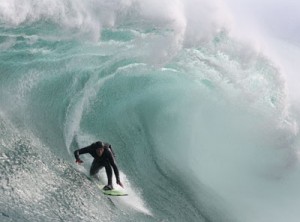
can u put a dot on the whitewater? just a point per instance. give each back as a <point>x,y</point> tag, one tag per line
<point>201,111</point>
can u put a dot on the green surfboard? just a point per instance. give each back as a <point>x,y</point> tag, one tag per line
<point>113,192</point>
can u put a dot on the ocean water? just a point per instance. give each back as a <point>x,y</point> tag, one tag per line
<point>202,123</point>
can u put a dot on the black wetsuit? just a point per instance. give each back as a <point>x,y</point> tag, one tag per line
<point>106,160</point>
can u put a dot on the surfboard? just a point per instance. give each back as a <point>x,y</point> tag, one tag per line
<point>113,192</point>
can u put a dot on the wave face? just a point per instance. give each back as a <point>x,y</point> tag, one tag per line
<point>200,122</point>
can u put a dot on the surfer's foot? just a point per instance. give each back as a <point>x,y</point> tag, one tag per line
<point>108,187</point>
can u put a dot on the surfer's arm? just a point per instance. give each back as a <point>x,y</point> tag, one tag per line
<point>81,151</point>
<point>112,162</point>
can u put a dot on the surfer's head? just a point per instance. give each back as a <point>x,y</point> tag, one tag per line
<point>99,144</point>
<point>100,148</point>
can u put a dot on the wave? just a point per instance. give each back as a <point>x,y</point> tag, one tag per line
<point>200,122</point>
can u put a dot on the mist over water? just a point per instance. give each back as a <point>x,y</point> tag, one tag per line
<point>201,111</point>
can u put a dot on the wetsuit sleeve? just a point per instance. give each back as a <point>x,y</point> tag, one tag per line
<point>112,162</point>
<point>81,151</point>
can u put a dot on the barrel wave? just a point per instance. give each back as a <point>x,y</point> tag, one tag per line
<point>201,123</point>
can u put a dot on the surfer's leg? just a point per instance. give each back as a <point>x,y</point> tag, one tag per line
<point>109,174</point>
<point>96,166</point>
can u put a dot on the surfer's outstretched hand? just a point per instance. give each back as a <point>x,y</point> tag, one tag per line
<point>79,161</point>
<point>120,183</point>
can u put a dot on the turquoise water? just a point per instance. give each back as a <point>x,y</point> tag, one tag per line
<point>200,122</point>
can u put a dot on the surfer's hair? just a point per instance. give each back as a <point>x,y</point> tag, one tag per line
<point>99,144</point>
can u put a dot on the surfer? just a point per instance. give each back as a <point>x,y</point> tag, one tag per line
<point>103,157</point>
